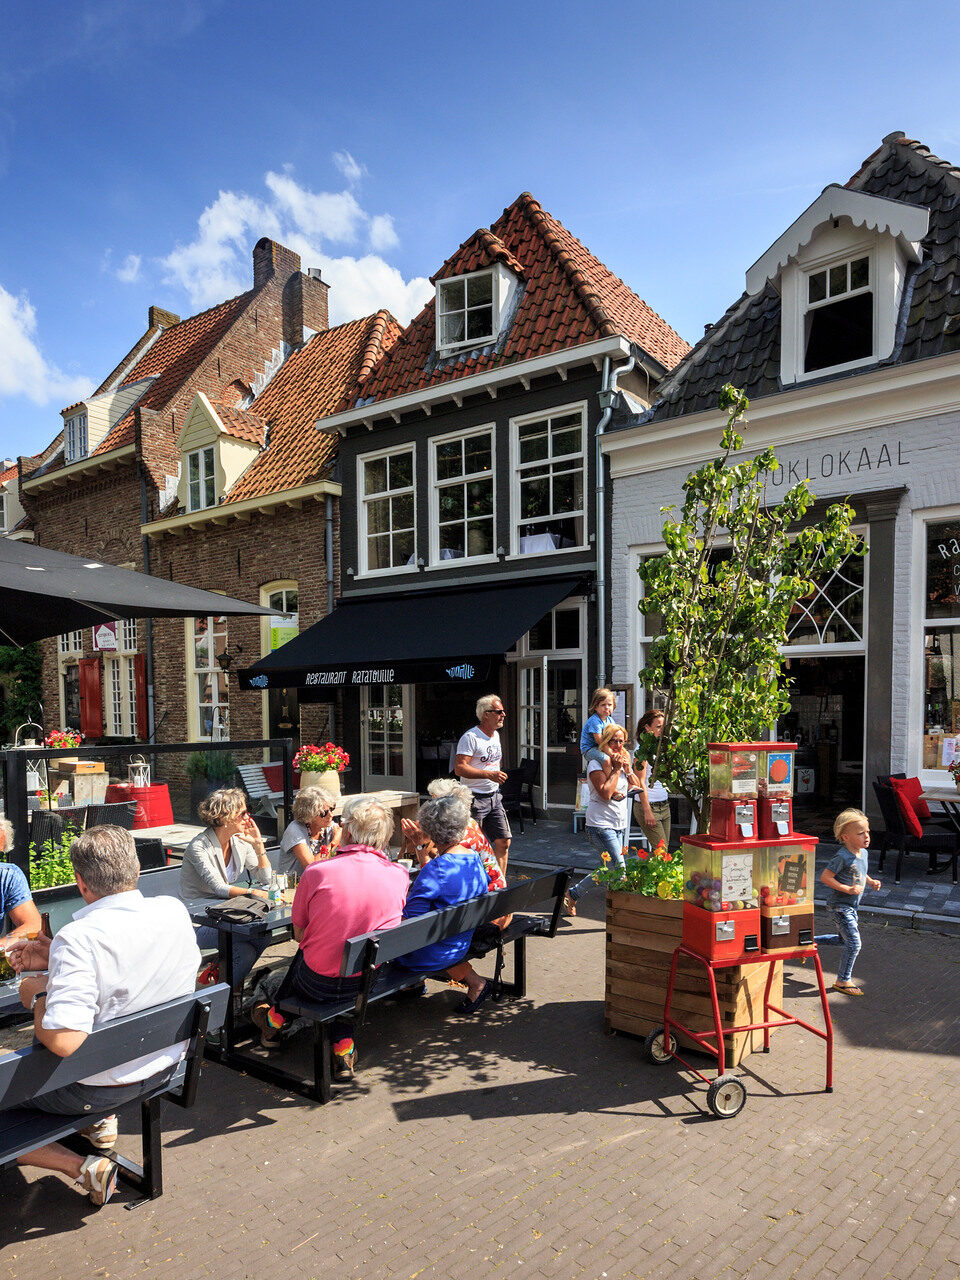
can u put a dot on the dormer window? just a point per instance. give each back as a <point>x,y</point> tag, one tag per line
<point>201,487</point>
<point>838,326</point>
<point>465,310</point>
<point>75,437</point>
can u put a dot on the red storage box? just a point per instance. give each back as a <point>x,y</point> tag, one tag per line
<point>785,928</point>
<point>721,935</point>
<point>153,803</point>
<point>733,820</point>
<point>775,817</point>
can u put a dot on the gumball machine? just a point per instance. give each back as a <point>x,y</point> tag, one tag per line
<point>775,782</point>
<point>785,873</point>
<point>721,915</point>
<point>734,788</point>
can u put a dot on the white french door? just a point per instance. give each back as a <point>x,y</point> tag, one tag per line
<point>388,738</point>
<point>532,734</point>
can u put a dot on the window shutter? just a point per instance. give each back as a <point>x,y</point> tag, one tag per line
<point>91,698</point>
<point>140,681</point>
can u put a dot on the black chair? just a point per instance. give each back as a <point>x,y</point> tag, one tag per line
<point>112,815</point>
<point>932,842</point>
<point>511,795</point>
<point>48,825</point>
<point>150,853</point>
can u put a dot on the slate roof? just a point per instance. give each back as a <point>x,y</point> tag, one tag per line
<point>743,347</point>
<point>306,387</point>
<point>567,297</point>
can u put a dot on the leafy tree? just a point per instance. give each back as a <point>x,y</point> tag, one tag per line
<point>733,569</point>
<point>21,692</point>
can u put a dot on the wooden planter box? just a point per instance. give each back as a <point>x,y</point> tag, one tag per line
<point>642,934</point>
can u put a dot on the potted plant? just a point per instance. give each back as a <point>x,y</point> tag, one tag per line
<point>321,766</point>
<point>207,771</point>
<point>954,771</point>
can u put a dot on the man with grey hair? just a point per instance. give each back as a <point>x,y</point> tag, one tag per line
<point>479,755</point>
<point>15,901</point>
<point>120,954</point>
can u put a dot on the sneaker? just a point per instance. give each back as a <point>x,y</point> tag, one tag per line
<point>269,1036</point>
<point>344,1065</point>
<point>103,1134</point>
<point>98,1177</point>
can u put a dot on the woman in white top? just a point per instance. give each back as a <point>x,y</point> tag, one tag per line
<point>607,814</point>
<point>653,799</point>
<point>313,829</point>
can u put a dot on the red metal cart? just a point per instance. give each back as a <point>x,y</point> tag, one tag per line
<point>727,1095</point>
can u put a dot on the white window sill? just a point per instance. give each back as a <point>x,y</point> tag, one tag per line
<point>835,368</point>
<point>455,561</point>
<point>385,573</point>
<point>557,551</point>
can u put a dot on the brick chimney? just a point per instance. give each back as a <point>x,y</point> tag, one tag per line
<point>272,259</point>
<point>304,306</point>
<point>157,318</point>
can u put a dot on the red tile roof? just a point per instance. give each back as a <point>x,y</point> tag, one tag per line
<point>306,387</point>
<point>8,474</point>
<point>569,298</point>
<point>240,422</point>
<point>171,361</point>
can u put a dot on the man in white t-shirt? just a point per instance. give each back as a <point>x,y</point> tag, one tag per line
<point>479,755</point>
<point>120,954</point>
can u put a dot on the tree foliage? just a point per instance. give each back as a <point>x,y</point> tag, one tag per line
<point>21,694</point>
<point>733,568</point>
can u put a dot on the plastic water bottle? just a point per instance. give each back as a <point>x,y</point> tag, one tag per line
<point>273,894</point>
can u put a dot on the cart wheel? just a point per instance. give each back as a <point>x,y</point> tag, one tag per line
<point>726,1097</point>
<point>656,1049</point>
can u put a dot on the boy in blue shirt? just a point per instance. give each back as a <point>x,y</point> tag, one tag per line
<point>845,877</point>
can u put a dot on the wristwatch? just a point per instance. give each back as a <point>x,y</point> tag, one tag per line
<point>36,997</point>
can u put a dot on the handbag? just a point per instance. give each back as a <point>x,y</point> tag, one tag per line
<point>242,910</point>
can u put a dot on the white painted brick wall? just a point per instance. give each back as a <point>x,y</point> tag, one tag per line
<point>922,454</point>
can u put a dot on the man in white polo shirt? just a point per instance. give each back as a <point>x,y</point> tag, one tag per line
<point>479,755</point>
<point>120,954</point>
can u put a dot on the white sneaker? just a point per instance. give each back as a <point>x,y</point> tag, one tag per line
<point>98,1177</point>
<point>103,1134</point>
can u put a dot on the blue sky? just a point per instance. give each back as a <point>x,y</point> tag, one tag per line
<point>144,148</point>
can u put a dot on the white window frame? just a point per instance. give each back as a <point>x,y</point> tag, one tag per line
<point>847,254</point>
<point>516,471</point>
<point>267,590</point>
<point>70,642</point>
<point>75,437</point>
<point>205,455</point>
<point>128,635</point>
<point>488,429</point>
<point>3,513</point>
<point>933,515</point>
<point>194,674</point>
<point>828,647</point>
<point>363,460</point>
<point>486,339</point>
<point>119,696</point>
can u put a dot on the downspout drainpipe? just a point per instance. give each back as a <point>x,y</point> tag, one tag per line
<point>145,556</point>
<point>329,549</point>
<point>608,398</point>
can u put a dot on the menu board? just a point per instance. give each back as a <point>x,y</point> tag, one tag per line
<point>736,877</point>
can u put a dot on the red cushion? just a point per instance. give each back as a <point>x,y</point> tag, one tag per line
<point>273,773</point>
<point>901,789</point>
<point>912,789</point>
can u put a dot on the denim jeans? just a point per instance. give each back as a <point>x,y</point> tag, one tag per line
<point>604,840</point>
<point>849,929</point>
<point>245,952</point>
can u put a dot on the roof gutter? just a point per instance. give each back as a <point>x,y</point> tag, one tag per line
<point>608,399</point>
<point>94,462</point>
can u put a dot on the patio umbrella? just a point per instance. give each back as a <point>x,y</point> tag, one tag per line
<point>44,593</point>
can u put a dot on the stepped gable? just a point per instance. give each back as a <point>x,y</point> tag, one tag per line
<point>744,346</point>
<point>171,360</point>
<point>306,387</point>
<point>567,298</point>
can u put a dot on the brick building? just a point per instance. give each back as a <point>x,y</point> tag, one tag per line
<point>847,342</point>
<point>196,459</point>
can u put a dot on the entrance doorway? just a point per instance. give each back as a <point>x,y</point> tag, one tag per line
<point>386,727</point>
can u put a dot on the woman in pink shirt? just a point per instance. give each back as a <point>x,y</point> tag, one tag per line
<point>356,891</point>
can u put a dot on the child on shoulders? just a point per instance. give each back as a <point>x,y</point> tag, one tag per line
<point>602,706</point>
<point>846,876</point>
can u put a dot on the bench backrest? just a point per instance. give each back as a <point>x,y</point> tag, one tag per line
<point>152,884</point>
<point>254,781</point>
<point>389,944</point>
<point>30,1073</point>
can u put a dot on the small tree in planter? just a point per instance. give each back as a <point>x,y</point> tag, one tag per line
<point>208,771</point>
<point>733,569</point>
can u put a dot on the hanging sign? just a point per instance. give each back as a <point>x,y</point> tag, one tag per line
<point>283,627</point>
<point>106,637</point>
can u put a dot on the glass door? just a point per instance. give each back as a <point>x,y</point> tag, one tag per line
<point>564,720</point>
<point>387,731</point>
<point>532,728</point>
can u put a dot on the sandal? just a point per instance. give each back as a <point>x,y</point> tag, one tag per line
<point>847,989</point>
<point>569,906</point>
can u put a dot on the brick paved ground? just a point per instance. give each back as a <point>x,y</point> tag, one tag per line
<point>526,1143</point>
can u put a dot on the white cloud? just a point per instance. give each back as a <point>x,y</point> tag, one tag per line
<point>382,233</point>
<point>129,270</point>
<point>352,171</point>
<point>23,370</point>
<point>216,264</point>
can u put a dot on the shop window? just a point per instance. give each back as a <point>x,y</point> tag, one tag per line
<point>549,495</point>
<point>941,693</point>
<point>208,685</point>
<point>463,497</point>
<point>559,629</point>
<point>833,613</point>
<point>387,511</point>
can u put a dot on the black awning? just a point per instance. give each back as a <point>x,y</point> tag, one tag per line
<point>440,636</point>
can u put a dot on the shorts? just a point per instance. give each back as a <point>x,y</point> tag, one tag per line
<point>488,810</point>
<point>76,1099</point>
